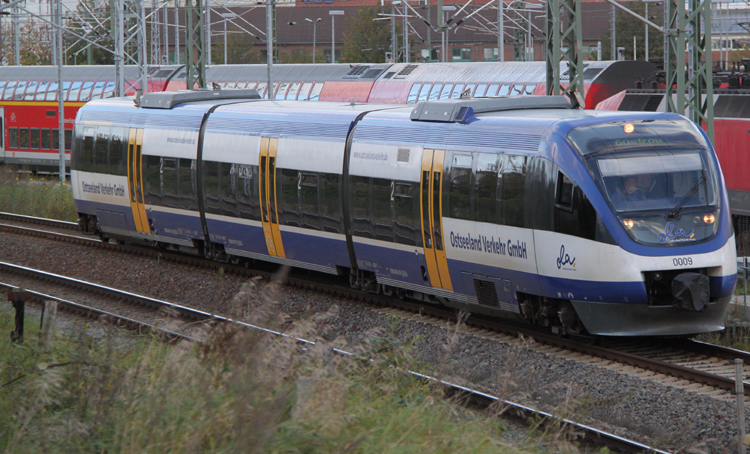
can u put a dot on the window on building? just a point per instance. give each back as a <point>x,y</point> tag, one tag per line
<point>489,54</point>
<point>461,54</point>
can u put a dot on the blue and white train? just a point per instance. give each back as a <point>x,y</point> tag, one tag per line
<point>606,223</point>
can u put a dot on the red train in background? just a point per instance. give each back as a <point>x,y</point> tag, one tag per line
<point>28,94</point>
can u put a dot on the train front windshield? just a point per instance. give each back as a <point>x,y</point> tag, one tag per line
<point>658,177</point>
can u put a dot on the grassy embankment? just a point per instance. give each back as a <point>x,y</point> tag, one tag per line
<point>36,196</point>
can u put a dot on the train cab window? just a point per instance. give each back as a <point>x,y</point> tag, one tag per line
<point>413,93</point>
<point>315,92</point>
<point>34,139</point>
<point>456,93</point>
<point>262,89</point>
<point>293,90</point>
<point>460,187</point>
<point>13,138</point>
<point>86,91</point>
<point>574,214</point>
<point>118,151</point>
<point>98,89</point>
<point>504,90</point>
<point>435,92</point>
<point>20,90</point>
<point>445,93</point>
<point>480,91</point>
<point>23,139</point>
<point>485,187</point>
<point>75,88</point>
<point>330,207</point>
<point>529,90</point>
<point>304,91</point>
<point>9,90</point>
<point>512,194</point>
<point>187,184</point>
<point>516,90</point>
<point>41,91</point>
<point>382,219</point>
<point>87,150</point>
<point>564,191</point>
<point>308,200</point>
<point>281,92</point>
<point>30,91</point>
<point>424,93</point>
<point>101,145</point>
<point>109,90</point>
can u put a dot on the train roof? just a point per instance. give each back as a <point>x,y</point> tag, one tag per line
<point>94,72</point>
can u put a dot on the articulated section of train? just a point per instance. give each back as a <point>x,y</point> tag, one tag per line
<point>605,223</point>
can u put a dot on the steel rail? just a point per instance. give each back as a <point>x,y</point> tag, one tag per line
<point>461,394</point>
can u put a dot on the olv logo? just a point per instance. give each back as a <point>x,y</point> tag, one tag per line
<point>565,259</point>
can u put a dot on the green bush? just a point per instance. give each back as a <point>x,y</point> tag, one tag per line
<point>37,196</point>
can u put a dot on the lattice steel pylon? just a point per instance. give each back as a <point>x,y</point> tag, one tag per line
<point>689,27</point>
<point>569,37</point>
<point>196,41</point>
<point>130,34</point>
<point>155,35</point>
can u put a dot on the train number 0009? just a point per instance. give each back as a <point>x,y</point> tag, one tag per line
<point>682,261</point>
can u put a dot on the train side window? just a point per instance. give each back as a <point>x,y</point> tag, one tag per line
<point>86,91</point>
<point>152,177</point>
<point>41,91</point>
<point>98,88</point>
<point>9,89</point>
<point>480,91</point>
<point>87,150</point>
<point>435,92</point>
<point>20,90</point>
<point>101,146</point>
<point>247,192</point>
<point>304,91</point>
<point>413,93</point>
<point>56,142</point>
<point>51,92</point>
<point>13,138</point>
<point>75,88</point>
<point>289,206</point>
<point>293,90</point>
<point>564,192</point>
<point>424,93</point>
<point>68,139</point>
<point>186,182</point>
<point>517,90</point>
<point>330,206</point>
<point>211,187</point>
<point>485,188</point>
<point>513,191</point>
<point>2,87</point>
<point>34,138</point>
<point>262,89</point>
<point>360,209</point>
<point>2,132</point>
<point>315,92</point>
<point>228,190</point>
<point>470,87</point>
<point>31,91</point>
<point>109,90</point>
<point>504,90</point>
<point>168,181</point>
<point>382,218</point>
<point>459,187</point>
<point>492,90</point>
<point>308,200</point>
<point>281,92</point>
<point>118,152</point>
<point>456,93</point>
<point>529,90</point>
<point>405,213</point>
<point>65,90</point>
<point>445,93</point>
<point>24,138</point>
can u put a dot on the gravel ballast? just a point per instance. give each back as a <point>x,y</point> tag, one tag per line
<point>663,416</point>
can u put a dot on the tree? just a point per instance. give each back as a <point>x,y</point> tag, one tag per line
<point>35,44</point>
<point>94,23</point>
<point>366,40</point>
<point>239,49</point>
<point>627,26</point>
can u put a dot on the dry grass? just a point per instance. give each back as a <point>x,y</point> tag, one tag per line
<point>36,196</point>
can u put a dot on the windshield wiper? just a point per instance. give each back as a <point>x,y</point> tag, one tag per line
<point>676,210</point>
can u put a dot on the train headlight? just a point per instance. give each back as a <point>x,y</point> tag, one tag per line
<point>628,128</point>
<point>709,218</point>
<point>628,223</point>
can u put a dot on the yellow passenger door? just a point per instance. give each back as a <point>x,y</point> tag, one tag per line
<point>267,190</point>
<point>135,180</point>
<point>431,209</point>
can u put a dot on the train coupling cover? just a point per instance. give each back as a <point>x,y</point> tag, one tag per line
<point>691,291</point>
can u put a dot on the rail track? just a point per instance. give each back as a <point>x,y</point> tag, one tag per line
<point>694,362</point>
<point>144,313</point>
